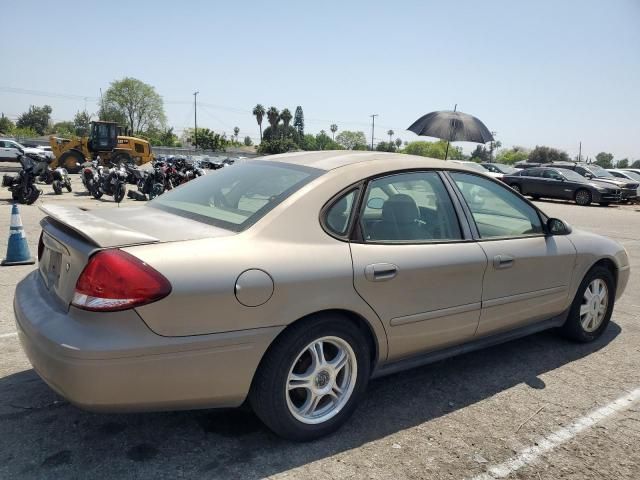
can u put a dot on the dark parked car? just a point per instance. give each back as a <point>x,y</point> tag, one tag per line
<point>628,188</point>
<point>564,184</point>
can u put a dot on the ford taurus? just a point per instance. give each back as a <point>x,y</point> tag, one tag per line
<point>290,281</point>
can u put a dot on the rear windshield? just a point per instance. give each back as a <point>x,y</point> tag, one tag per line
<point>237,196</point>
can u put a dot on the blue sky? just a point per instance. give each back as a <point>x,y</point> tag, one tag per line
<point>537,72</point>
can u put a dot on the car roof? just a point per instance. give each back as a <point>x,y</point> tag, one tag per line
<point>332,159</point>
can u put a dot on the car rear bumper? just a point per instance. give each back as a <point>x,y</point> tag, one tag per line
<point>114,362</point>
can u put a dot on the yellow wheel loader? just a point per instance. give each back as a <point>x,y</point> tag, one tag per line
<point>104,140</point>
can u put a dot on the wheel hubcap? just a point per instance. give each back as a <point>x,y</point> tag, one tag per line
<point>321,380</point>
<point>583,197</point>
<point>594,305</point>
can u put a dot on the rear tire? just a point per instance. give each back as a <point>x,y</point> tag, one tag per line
<point>67,185</point>
<point>120,192</point>
<point>327,360</point>
<point>96,192</point>
<point>31,194</point>
<point>536,197</point>
<point>583,197</point>
<point>590,316</point>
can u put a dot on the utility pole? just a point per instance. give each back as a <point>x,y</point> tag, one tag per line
<point>373,126</point>
<point>580,153</point>
<point>195,120</point>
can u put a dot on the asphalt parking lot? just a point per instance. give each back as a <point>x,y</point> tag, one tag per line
<point>535,408</point>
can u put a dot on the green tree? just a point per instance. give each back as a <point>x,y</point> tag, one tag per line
<point>236,131</point>
<point>64,129</point>
<point>276,145</point>
<point>259,112</point>
<point>298,121</point>
<point>390,133</point>
<point>334,129</point>
<point>36,118</point>
<point>604,159</point>
<point>81,122</point>
<point>636,164</point>
<point>138,102</point>
<point>543,154</point>
<point>512,155</point>
<point>286,117</point>
<point>351,140</point>
<point>434,150</point>
<point>247,141</point>
<point>624,163</point>
<point>308,142</point>
<point>324,142</point>
<point>480,154</point>
<point>385,147</point>
<point>208,139</point>
<point>273,116</point>
<point>6,125</point>
<point>109,113</point>
<point>398,143</point>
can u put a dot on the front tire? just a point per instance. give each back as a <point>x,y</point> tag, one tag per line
<point>120,192</point>
<point>592,306</point>
<point>516,188</point>
<point>311,379</point>
<point>583,197</point>
<point>57,187</point>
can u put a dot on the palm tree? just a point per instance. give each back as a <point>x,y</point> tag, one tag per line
<point>334,129</point>
<point>273,115</point>
<point>286,117</point>
<point>390,133</point>
<point>259,112</point>
<point>398,143</point>
<point>236,131</point>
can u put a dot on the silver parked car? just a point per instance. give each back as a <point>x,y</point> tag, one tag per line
<point>292,280</point>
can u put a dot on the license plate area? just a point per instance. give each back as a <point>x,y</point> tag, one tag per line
<point>50,264</point>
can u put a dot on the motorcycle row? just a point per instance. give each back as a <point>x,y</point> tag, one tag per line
<point>35,169</point>
<point>164,175</point>
<point>99,180</point>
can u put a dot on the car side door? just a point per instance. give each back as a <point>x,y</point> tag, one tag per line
<point>531,182</point>
<point>556,185</point>
<point>415,263</point>
<point>13,150</point>
<point>528,273</point>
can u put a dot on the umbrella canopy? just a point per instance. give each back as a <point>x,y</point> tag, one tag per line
<point>452,126</point>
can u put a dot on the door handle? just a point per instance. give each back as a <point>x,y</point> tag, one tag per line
<point>380,272</point>
<point>503,261</point>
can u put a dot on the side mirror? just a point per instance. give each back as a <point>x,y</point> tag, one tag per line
<point>588,175</point>
<point>375,203</point>
<point>555,226</point>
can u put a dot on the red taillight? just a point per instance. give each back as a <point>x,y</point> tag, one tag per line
<point>115,280</point>
<point>40,246</point>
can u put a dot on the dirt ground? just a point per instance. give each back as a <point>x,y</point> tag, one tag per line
<point>458,418</point>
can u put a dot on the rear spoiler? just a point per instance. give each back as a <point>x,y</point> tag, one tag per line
<point>98,231</point>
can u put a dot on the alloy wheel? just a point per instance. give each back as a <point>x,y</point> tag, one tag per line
<point>321,380</point>
<point>594,305</point>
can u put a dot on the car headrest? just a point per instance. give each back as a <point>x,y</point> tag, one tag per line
<point>400,208</point>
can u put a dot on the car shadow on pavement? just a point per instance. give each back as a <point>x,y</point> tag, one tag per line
<point>41,435</point>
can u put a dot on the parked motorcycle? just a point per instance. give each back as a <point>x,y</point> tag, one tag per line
<point>58,179</point>
<point>23,185</point>
<point>112,182</point>
<point>150,183</point>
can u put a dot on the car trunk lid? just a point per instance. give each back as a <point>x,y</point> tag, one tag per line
<point>71,235</point>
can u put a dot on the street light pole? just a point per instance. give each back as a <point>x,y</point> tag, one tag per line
<point>373,126</point>
<point>195,120</point>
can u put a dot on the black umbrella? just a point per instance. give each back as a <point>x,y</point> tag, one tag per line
<point>452,127</point>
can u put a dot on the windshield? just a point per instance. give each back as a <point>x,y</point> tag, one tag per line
<point>571,175</point>
<point>506,169</point>
<point>238,196</point>
<point>598,171</point>
<point>633,175</point>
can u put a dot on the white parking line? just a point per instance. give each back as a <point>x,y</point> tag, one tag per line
<point>557,438</point>
<point>9,335</point>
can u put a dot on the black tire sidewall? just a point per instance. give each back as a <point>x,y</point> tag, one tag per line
<point>572,327</point>
<point>268,397</point>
